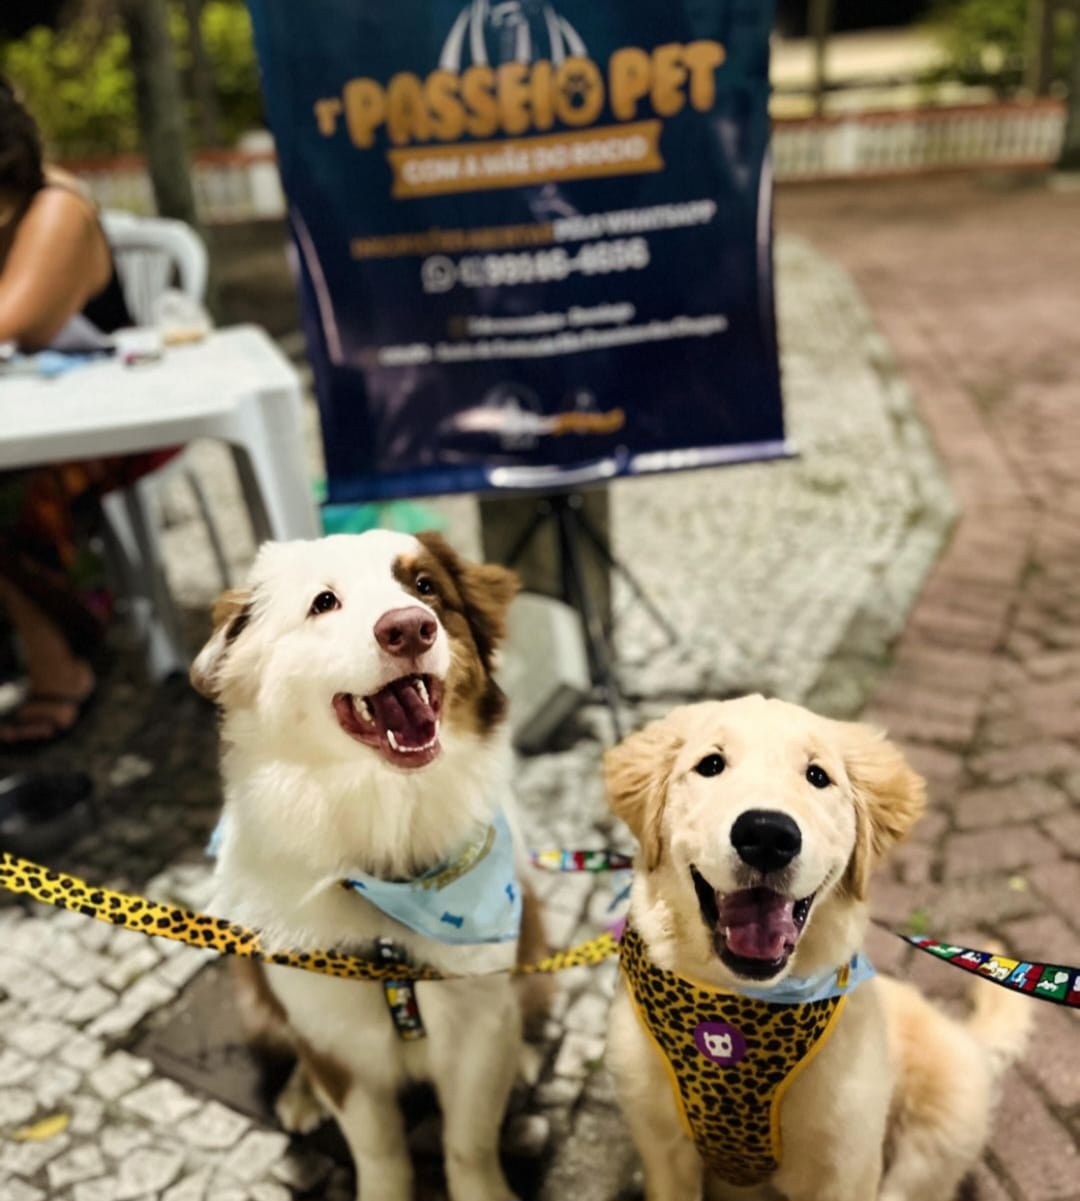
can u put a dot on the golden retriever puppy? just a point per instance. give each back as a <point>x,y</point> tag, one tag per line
<point>755,1053</point>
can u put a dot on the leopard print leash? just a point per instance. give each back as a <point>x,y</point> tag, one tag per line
<point>1046,982</point>
<point>160,920</point>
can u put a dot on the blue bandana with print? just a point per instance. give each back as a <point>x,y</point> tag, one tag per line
<point>472,898</point>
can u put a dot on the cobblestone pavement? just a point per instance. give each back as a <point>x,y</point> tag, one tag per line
<point>813,566</point>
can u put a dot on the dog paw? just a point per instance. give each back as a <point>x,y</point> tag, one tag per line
<point>298,1109</point>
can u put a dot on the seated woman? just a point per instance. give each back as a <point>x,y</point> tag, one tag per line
<point>55,268</point>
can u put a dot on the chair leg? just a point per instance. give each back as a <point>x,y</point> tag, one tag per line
<point>165,652</point>
<point>210,525</point>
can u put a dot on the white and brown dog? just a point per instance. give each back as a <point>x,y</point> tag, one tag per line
<point>366,773</point>
<point>756,1054</point>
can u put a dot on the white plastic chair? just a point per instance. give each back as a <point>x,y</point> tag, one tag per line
<point>148,251</point>
<point>153,254</point>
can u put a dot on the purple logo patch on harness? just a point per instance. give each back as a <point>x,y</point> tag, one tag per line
<point>721,1043</point>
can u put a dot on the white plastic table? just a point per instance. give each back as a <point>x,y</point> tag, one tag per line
<point>236,386</point>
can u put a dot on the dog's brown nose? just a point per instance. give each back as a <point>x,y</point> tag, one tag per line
<point>406,632</point>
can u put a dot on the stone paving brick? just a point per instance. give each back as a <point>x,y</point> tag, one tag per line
<point>1065,830</point>
<point>256,1154</point>
<point>942,768</point>
<point>1060,889</point>
<point>1024,801</point>
<point>1053,1060</point>
<point>147,1171</point>
<point>80,1163</point>
<point>984,851</point>
<point>1036,1152</point>
<point>932,825</point>
<point>1045,937</point>
<point>988,1186</point>
<point>1035,759</point>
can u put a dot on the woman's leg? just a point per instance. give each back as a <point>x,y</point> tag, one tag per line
<point>60,680</point>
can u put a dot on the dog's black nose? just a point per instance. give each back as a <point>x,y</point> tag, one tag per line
<point>406,632</point>
<point>766,839</point>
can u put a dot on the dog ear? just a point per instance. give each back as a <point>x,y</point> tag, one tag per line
<point>637,773</point>
<point>230,614</point>
<point>486,590</point>
<point>889,798</point>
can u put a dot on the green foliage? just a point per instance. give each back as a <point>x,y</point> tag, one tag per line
<point>988,42</point>
<point>229,44</point>
<point>77,82</point>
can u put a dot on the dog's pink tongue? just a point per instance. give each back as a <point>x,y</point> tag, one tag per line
<point>759,923</point>
<point>399,707</point>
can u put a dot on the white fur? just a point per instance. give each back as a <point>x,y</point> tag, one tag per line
<point>305,803</point>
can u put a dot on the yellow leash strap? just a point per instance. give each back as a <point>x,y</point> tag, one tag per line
<point>159,920</point>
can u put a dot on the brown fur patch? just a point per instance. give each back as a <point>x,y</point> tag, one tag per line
<point>636,774</point>
<point>330,1074</point>
<point>263,1016</point>
<point>471,601</point>
<point>889,799</point>
<point>266,1024</point>
<point>536,993</point>
<point>230,615</point>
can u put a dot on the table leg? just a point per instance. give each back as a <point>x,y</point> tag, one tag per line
<point>267,443</point>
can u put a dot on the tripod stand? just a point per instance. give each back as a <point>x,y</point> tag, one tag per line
<point>574,532</point>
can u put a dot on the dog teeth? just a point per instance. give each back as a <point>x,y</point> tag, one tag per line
<point>412,750</point>
<point>362,709</point>
<point>421,690</point>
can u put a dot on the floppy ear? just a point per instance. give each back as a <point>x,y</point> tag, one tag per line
<point>889,798</point>
<point>487,590</point>
<point>230,614</point>
<point>637,773</point>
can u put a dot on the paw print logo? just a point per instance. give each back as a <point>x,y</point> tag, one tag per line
<point>578,86</point>
<point>720,1042</point>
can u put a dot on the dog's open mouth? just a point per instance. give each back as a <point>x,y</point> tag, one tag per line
<point>401,720</point>
<point>754,930</point>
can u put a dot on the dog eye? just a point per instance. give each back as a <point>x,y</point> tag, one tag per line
<point>425,585</point>
<point>818,776</point>
<point>325,602</point>
<point>711,765</point>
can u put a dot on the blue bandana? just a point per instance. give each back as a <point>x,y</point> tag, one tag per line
<point>472,898</point>
<point>799,990</point>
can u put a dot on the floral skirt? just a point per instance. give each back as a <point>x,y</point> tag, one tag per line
<point>50,519</point>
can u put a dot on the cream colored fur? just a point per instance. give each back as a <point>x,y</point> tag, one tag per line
<point>304,804</point>
<point>896,1107</point>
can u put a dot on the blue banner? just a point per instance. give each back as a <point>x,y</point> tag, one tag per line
<point>534,237</point>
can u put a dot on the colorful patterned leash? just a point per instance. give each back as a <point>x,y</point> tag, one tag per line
<point>1057,983</point>
<point>159,920</point>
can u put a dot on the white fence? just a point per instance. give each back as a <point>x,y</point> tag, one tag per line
<point>242,185</point>
<point>890,143</point>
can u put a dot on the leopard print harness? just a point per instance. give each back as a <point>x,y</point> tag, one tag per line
<point>731,1059</point>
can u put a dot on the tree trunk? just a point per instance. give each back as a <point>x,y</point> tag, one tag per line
<point>1070,150</point>
<point>1040,46</point>
<point>160,106</point>
<point>821,16</point>
<point>203,90</point>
